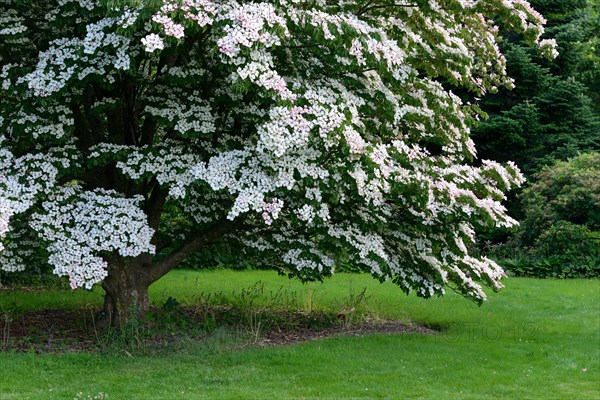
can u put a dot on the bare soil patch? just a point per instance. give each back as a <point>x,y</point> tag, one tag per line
<point>60,330</point>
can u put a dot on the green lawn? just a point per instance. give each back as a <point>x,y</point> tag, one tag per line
<point>536,339</point>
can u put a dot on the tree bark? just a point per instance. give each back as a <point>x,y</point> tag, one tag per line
<point>126,286</point>
<point>126,292</point>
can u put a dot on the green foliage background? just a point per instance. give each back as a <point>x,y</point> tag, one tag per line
<point>559,234</point>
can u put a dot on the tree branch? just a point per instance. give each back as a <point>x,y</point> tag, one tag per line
<point>148,129</point>
<point>155,204</point>
<point>220,228</point>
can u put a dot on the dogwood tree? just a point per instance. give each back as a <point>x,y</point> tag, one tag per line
<point>311,131</point>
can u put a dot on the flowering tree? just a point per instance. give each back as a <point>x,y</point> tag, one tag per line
<point>308,130</point>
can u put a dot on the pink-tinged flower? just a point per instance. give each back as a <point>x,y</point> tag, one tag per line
<point>174,30</point>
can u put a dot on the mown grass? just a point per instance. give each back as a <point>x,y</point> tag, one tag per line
<point>536,339</point>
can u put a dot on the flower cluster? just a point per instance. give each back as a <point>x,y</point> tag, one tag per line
<point>153,42</point>
<point>548,48</point>
<point>11,24</point>
<point>189,115</point>
<point>201,12</point>
<point>18,251</point>
<point>79,226</point>
<point>249,24</point>
<point>170,165</point>
<point>6,213</point>
<point>62,62</point>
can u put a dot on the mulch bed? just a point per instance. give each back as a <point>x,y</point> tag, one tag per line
<point>51,330</point>
<point>60,330</point>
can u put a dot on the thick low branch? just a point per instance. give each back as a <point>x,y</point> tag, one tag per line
<point>158,269</point>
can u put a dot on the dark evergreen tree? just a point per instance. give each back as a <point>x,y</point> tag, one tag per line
<point>550,114</point>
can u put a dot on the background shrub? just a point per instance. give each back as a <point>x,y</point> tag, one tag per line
<point>559,235</point>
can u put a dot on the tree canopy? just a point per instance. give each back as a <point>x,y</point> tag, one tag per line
<point>308,131</point>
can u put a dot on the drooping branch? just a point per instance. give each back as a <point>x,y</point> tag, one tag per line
<point>196,242</point>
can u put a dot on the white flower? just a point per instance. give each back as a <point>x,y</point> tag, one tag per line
<point>548,48</point>
<point>153,42</point>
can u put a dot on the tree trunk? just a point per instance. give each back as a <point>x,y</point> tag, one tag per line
<point>126,285</point>
<point>126,292</point>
